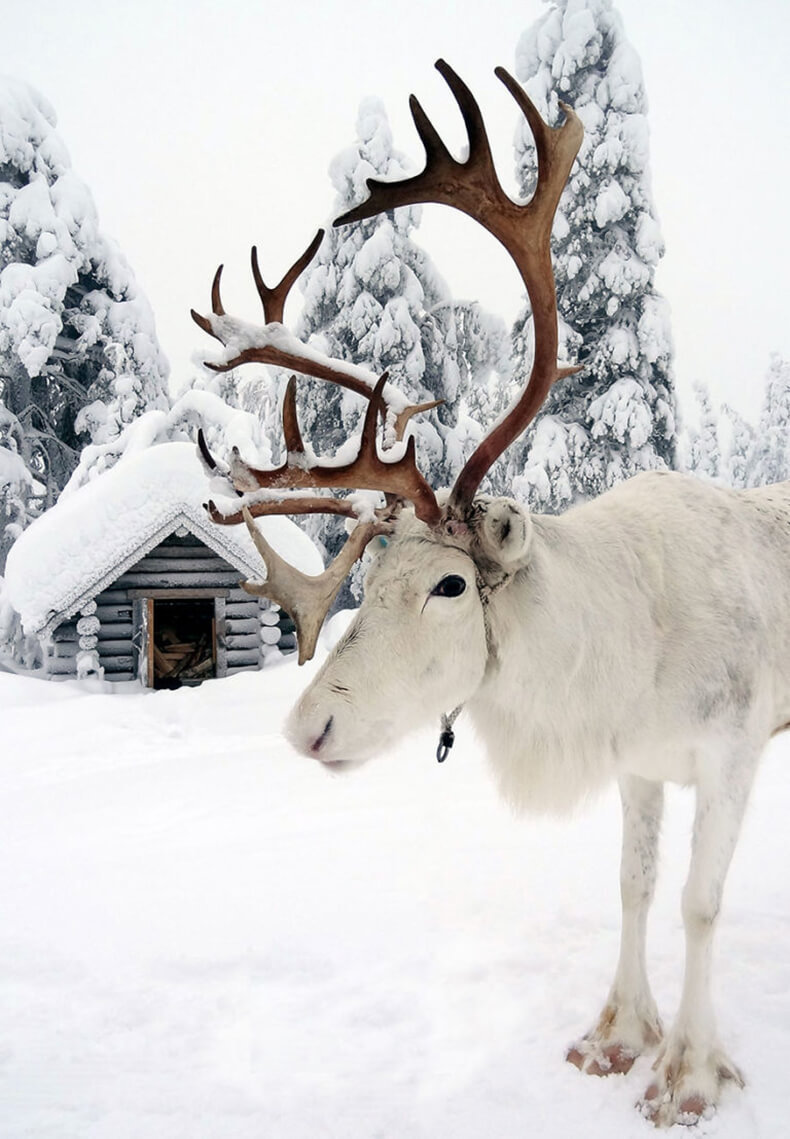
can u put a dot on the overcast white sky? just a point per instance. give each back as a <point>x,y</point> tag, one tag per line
<point>204,127</point>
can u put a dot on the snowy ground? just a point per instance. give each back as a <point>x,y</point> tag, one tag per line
<point>203,935</point>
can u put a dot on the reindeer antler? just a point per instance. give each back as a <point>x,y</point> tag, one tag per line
<point>473,187</point>
<point>398,478</point>
<point>306,598</point>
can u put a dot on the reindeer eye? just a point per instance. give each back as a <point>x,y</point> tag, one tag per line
<point>451,586</point>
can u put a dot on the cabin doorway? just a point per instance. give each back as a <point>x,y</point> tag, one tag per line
<point>183,640</point>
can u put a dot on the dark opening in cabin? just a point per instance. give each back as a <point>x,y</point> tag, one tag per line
<point>184,642</point>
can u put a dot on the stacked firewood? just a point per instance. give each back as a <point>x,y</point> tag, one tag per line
<point>182,660</point>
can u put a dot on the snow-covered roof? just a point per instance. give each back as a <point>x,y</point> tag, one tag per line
<point>89,538</point>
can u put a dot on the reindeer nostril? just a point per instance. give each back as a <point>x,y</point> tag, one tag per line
<point>317,744</point>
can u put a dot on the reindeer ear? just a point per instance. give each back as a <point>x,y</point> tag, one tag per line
<point>505,532</point>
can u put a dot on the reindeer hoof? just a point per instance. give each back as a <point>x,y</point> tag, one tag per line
<point>624,1031</point>
<point>663,1111</point>
<point>685,1092</point>
<point>597,1060</point>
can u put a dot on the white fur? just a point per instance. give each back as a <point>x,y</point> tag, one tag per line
<point>642,637</point>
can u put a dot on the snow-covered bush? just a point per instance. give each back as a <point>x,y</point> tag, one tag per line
<point>224,427</point>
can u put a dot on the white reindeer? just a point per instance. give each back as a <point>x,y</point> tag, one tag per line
<point>640,637</point>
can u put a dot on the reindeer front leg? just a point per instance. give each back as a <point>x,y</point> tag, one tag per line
<point>629,1023</point>
<point>691,1067</point>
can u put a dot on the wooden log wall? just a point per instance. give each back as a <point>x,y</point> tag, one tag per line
<point>177,563</point>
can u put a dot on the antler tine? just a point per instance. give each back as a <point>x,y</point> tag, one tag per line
<point>273,300</point>
<point>479,147</point>
<point>307,599</point>
<point>216,307</point>
<point>367,443</point>
<point>216,299</point>
<point>435,150</point>
<point>556,148</point>
<point>402,420</point>
<point>209,462</point>
<point>291,432</point>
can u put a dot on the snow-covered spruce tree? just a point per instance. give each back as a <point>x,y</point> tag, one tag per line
<point>19,493</point>
<point>617,416</point>
<point>704,449</point>
<point>373,297</point>
<point>739,450</point>
<point>768,459</point>
<point>255,390</point>
<point>79,359</point>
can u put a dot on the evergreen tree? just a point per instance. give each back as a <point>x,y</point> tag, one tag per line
<point>252,390</point>
<point>616,417</point>
<point>374,298</point>
<point>704,450</point>
<point>18,489</point>
<point>769,456</point>
<point>739,451</point>
<point>79,359</point>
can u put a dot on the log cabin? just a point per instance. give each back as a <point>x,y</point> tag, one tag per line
<point>126,578</point>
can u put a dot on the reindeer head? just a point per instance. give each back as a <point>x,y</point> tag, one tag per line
<point>419,644</point>
<point>420,640</point>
